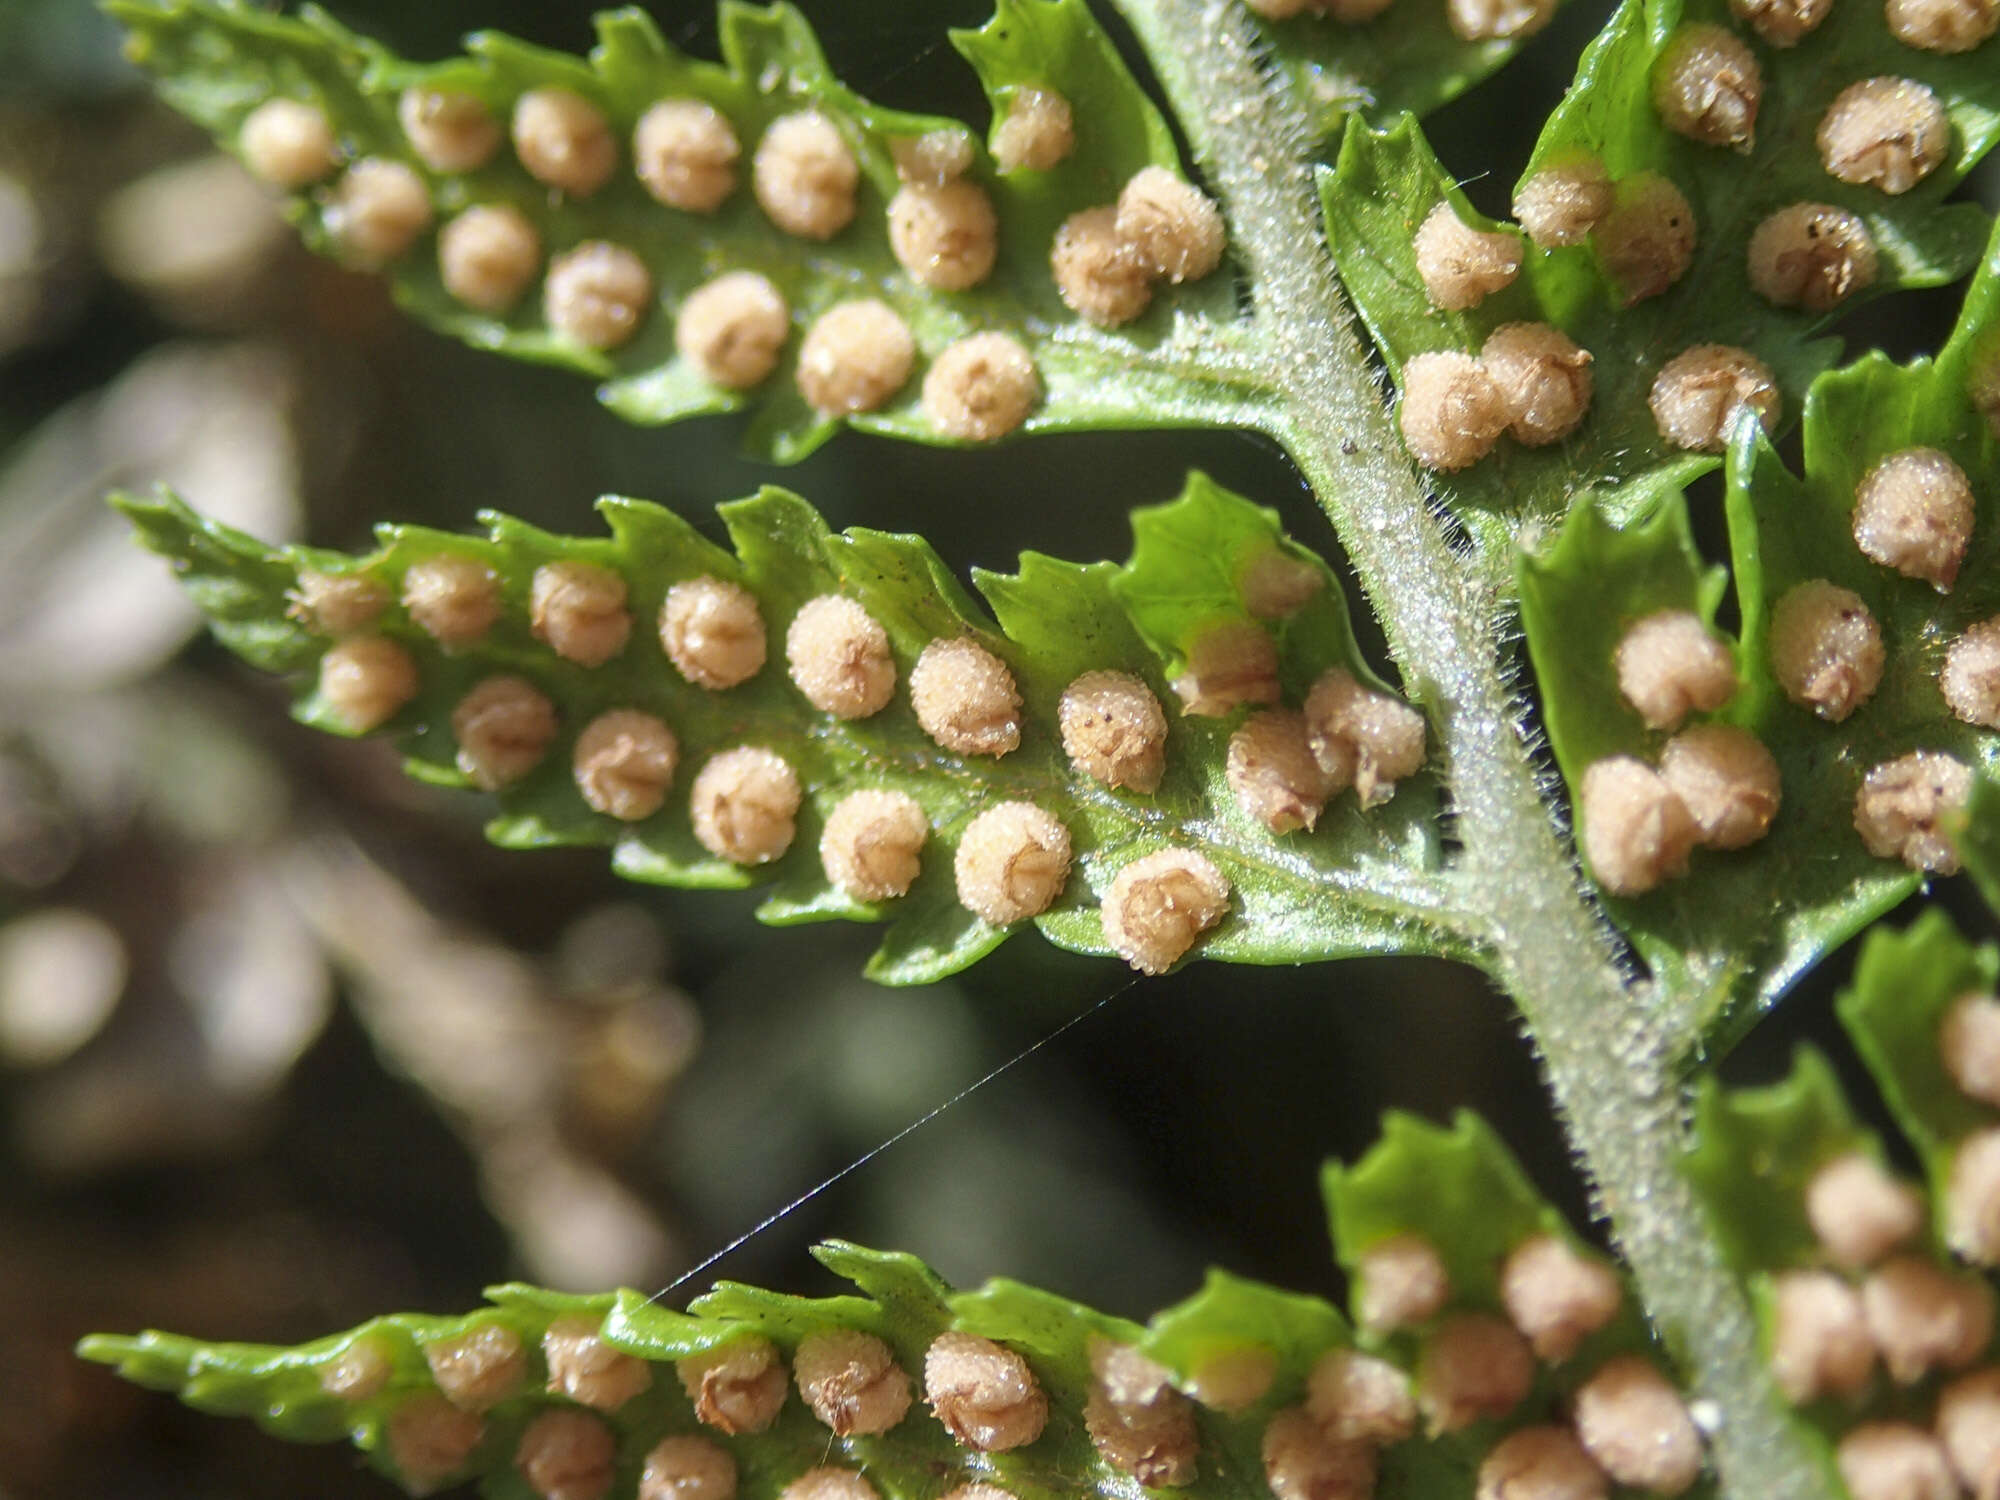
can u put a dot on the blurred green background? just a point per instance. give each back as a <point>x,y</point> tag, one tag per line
<point>284,1044</point>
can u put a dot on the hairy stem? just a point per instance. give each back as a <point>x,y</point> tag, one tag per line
<point>1607,1041</point>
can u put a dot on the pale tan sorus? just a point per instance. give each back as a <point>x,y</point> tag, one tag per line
<point>1172,226</point>
<point>1637,832</point>
<point>363,1369</point>
<point>449,129</point>
<point>1812,256</point>
<point>1099,275</point>
<point>1894,1461</point>
<point>1707,86</point>
<point>1544,380</point>
<point>1230,663</point>
<point>1826,649</point>
<point>1887,133</point>
<point>1782,23</point>
<point>1497,20</point>
<point>583,1367</point>
<point>578,609</point>
<point>965,698</point>
<point>839,657</point>
<point>1354,1395</point>
<point>1159,905</point>
<point>1646,242</point>
<point>1820,1343</point>
<point>1923,1317</point>
<point>1114,730</point>
<point>1563,202</point>
<point>479,1368</point>
<point>454,599</point>
<point>1301,1462</point>
<point>1473,1367</point>
<point>1728,781</point>
<point>1400,1281</point>
<point>366,680</point>
<point>1543,1462</point>
<point>567,1455</point>
<point>1858,1211</point>
<point>981,388</point>
<point>1970,679</point>
<point>624,762</point>
<point>685,1467</point>
<point>984,1393</point>
<point>855,357</point>
<point>288,143</point>
<point>488,257</point>
<point>872,843</point>
<point>1037,132</point>
<point>564,141</point>
<point>1969,1046</point>
<point>1697,394</point>
<point>1670,665</point>
<point>933,158</point>
<point>429,1440</point>
<point>685,151</point>
<point>503,728</point>
<point>733,329</point>
<point>1275,585</point>
<point>336,604</point>
<point>1451,413</point>
<point>805,175</point>
<point>745,805</point>
<point>1635,1424</point>
<point>376,211</point>
<point>1012,863</point>
<point>1383,736</point>
<point>851,1381</point>
<point>1943,25</point>
<point>597,294</point>
<point>713,632</point>
<point>1557,1296</point>
<point>1906,809</point>
<point>737,1387</point>
<point>1461,266</point>
<point>1913,511</point>
<point>1972,1198</point>
<point>1968,1424</point>
<point>1274,774</point>
<point>829,1484</point>
<point>946,237</point>
<point>1232,1380</point>
<point>1137,1421</point>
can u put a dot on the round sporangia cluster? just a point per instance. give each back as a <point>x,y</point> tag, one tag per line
<point>1451,413</point>
<point>362,1370</point>
<point>1564,201</point>
<point>1913,511</point>
<point>578,609</point>
<point>1302,1463</point>
<point>478,1369</point>
<point>1114,730</point>
<point>1357,1397</point>
<point>503,728</point>
<point>429,1439</point>
<point>336,604</point>
<point>851,1381</point>
<point>1100,277</point>
<point>946,236</point>
<point>1276,585</point>
<point>1670,665</point>
<point>1969,1046</point>
<point>1556,1296</point>
<point>1159,905</point>
<point>1646,241</point>
<point>624,762</point>
<point>1012,863</point>
<point>1782,23</point>
<point>1970,679</point>
<point>488,257</point>
<point>829,1484</point>
<point>1544,380</point>
<point>1906,807</point>
<point>1820,1345</point>
<point>745,805</point>
<point>564,141</point>
<point>1230,663</point>
<point>1232,1379</point>
<point>839,657</point>
<point>1381,738</point>
<point>1923,1317</point>
<point>965,698</point>
<point>1707,86</point>
<point>366,680</point>
<point>856,355</point>
<point>732,329</point>
<point>1826,649</point>
<point>872,843</point>
<point>1812,256</point>
<point>450,130</point>
<point>376,211</point>
<point>587,1370</point>
<point>933,158</point>
<point>567,1455</point>
<point>1635,1426</point>
<point>805,176</point>
<point>1699,391</point>
<point>1400,1281</point>
<point>1859,1211</point>
<point>1887,133</point>
<point>981,387</point>
<point>1274,774</point>
<point>1496,20</point>
<point>1727,780</point>
<point>455,599</point>
<point>1544,1462</point>
<point>596,294</point>
<point>1461,266</point>
<point>737,1387</point>
<point>1636,830</point>
<point>983,1392</point>
<point>1138,1423</point>
<point>1037,132</point>
<point>713,632</point>
<point>1943,25</point>
<point>1893,1460</point>
<point>288,143</point>
<point>1106,259</point>
<point>1473,1367</point>
<point>685,153</point>
<point>1972,1198</point>
<point>686,1467</point>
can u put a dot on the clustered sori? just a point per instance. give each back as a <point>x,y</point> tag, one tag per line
<point>806,177</point>
<point>1013,858</point>
<point>1529,380</point>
